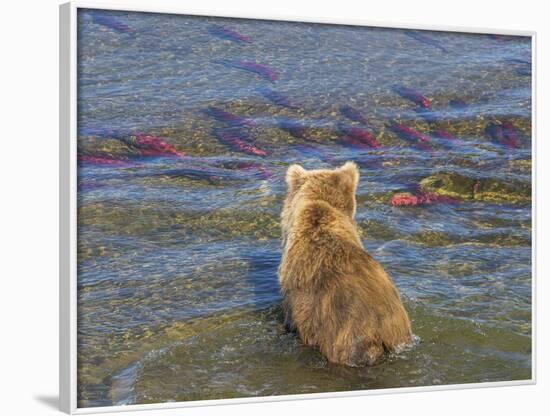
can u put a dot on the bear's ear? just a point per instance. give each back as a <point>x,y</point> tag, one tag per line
<point>295,176</point>
<point>351,173</point>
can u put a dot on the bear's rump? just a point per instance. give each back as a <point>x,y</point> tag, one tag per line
<point>339,321</point>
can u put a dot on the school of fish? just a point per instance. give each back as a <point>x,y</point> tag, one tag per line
<point>236,132</point>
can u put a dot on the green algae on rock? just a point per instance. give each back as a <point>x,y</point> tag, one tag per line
<point>484,189</point>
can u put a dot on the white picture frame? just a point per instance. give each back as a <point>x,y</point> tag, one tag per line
<point>68,207</point>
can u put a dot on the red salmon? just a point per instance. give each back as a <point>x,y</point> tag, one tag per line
<point>233,140</point>
<point>360,135</point>
<point>421,198</point>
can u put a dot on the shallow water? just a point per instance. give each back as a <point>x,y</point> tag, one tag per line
<point>177,256</point>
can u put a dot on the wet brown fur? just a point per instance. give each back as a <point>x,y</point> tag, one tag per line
<point>335,295</point>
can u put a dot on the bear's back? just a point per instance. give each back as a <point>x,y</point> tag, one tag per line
<point>336,295</point>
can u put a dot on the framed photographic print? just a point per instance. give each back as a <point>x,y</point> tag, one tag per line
<point>256,209</point>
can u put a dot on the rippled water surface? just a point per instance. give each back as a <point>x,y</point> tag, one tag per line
<point>179,202</point>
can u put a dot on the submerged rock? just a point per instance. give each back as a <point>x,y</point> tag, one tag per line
<point>464,188</point>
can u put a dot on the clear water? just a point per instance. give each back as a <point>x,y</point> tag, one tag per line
<point>177,288</point>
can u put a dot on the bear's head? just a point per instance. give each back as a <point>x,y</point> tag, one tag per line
<point>336,187</point>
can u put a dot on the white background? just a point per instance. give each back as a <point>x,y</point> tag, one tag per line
<point>29,193</point>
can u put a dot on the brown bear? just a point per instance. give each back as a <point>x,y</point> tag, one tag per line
<point>335,295</point>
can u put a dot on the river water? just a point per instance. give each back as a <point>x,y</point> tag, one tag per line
<point>178,227</point>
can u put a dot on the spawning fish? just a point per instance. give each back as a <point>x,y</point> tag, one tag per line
<point>258,69</point>
<point>421,198</point>
<point>235,141</point>
<point>412,95</point>
<point>510,134</point>
<point>152,146</point>
<point>353,142</point>
<point>353,114</point>
<point>232,120</point>
<point>412,136</point>
<point>500,38</point>
<point>277,98</point>
<point>111,23</point>
<point>505,136</point>
<point>294,128</point>
<point>358,134</point>
<point>443,134</point>
<point>198,172</point>
<point>228,34</point>
<point>425,40</point>
<point>253,167</point>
